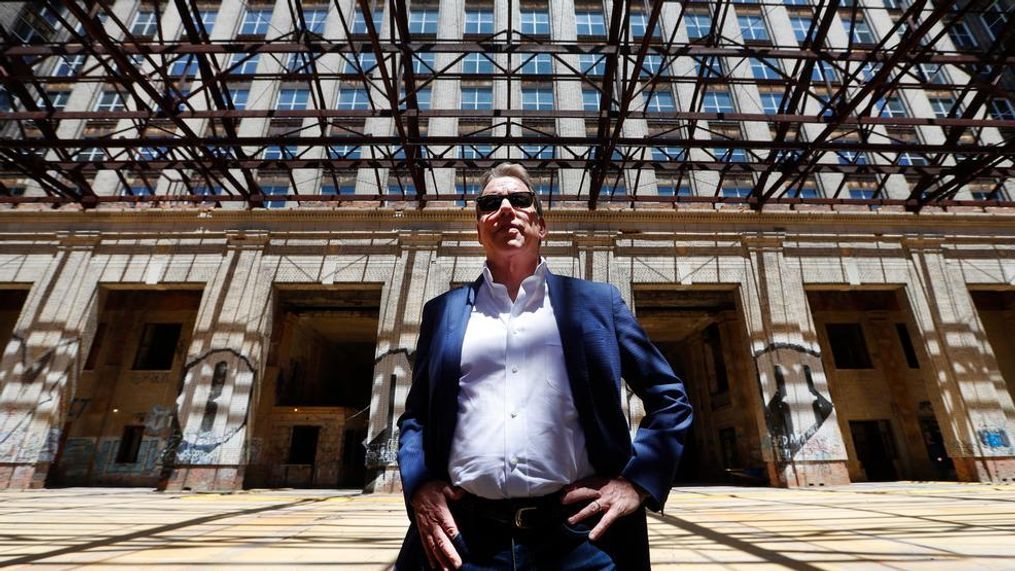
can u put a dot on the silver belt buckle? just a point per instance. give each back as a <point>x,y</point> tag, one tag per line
<point>519,519</point>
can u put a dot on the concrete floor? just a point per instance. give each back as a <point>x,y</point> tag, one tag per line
<point>862,526</point>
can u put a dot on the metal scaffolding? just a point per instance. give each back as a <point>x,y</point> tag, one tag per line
<point>176,93</point>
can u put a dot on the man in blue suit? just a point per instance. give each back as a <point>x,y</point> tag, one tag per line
<point>514,451</point>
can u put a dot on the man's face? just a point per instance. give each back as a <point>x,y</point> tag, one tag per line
<point>509,231</point>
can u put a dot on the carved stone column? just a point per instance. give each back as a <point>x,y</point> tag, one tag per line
<point>970,406</point>
<point>223,367</point>
<point>801,440</point>
<point>39,369</point>
<point>414,281</point>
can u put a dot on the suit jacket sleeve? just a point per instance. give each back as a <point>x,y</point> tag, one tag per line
<point>411,460</point>
<point>659,441</point>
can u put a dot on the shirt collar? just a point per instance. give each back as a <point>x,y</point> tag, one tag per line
<point>530,286</point>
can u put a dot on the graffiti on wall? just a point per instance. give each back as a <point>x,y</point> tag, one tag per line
<point>54,367</point>
<point>787,439</point>
<point>205,444</point>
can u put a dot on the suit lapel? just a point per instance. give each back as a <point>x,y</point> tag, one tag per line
<point>456,322</point>
<point>567,312</point>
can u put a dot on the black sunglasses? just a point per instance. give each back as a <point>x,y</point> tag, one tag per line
<point>491,202</point>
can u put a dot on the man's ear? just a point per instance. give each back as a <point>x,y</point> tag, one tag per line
<point>542,229</point>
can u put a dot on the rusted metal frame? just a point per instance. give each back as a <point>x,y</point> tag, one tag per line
<point>610,81</point>
<point>36,169</point>
<point>408,134</point>
<point>715,36</point>
<point>991,170</point>
<point>794,97</point>
<point>599,176</point>
<point>217,88</point>
<point>919,195</point>
<point>45,126</point>
<point>876,87</point>
<point>123,63</point>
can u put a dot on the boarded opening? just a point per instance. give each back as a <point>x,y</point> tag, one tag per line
<point>120,418</point>
<point>877,377</point>
<point>11,303</point>
<point>319,375</point>
<point>701,333</point>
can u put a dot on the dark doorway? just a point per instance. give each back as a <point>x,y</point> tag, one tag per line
<point>303,446</point>
<point>11,302</point>
<point>872,440</point>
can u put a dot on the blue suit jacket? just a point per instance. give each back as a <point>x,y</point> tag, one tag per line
<point>602,342</point>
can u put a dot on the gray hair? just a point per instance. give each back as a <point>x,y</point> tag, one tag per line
<point>513,170</point>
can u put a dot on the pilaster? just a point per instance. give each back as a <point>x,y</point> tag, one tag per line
<point>801,441</point>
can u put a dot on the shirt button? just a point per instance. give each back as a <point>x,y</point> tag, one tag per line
<point>514,369</point>
<point>514,414</point>
<point>514,460</point>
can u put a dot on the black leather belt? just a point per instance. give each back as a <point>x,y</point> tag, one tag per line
<point>516,513</point>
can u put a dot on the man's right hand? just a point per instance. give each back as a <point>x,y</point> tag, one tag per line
<point>436,526</point>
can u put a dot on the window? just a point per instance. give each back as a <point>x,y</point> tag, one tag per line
<point>592,64</point>
<point>753,27</point>
<point>157,347</point>
<point>275,191</point>
<point>477,98</point>
<point>717,102</point>
<point>590,24</point>
<point>942,106</point>
<point>639,25</point>
<point>961,36</point>
<point>303,444</point>
<point>765,68</point>
<point>477,151</point>
<point>862,194</point>
<point>90,154</point>
<point>906,344</point>
<point>300,63</point>
<point>771,102</point>
<point>244,64</point>
<point>660,102</point>
<point>478,22</point>
<point>537,64</point>
<point>423,99</point>
<point>353,99</point>
<point>730,154</point>
<point>805,192</point>
<point>801,28</point>
<point>314,20</point>
<point>851,158</point>
<point>590,100</point>
<point>279,152</point>
<point>58,99</point>
<point>736,191</point>
<point>424,63</point>
<point>823,71</point>
<point>255,22</point>
<point>891,107</point>
<point>698,26</point>
<point>708,67</point>
<point>994,19</point>
<point>669,154</point>
<point>932,73</point>
<point>359,22</point>
<point>354,63</point>
<point>669,190</point>
<point>110,101</point>
<point>1002,109</point>
<point>477,64</point>
<point>343,152</point>
<point>651,65</point>
<point>537,151</point>
<point>69,66</point>
<point>537,99</point>
<point>423,22</point>
<point>239,97</point>
<point>208,18</point>
<point>343,189</point>
<point>130,444</point>
<point>149,153</point>
<point>849,348</point>
<point>184,66</point>
<point>859,32</point>
<point>869,70</point>
<point>536,22</point>
<point>144,24</point>
<point>292,99</point>
<point>911,159</point>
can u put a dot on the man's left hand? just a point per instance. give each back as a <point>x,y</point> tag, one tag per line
<point>613,498</point>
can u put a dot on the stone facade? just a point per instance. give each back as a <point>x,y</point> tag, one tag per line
<point>775,398</point>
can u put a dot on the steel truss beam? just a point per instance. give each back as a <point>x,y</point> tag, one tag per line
<point>188,127</point>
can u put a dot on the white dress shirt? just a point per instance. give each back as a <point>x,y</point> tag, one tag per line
<point>518,433</point>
